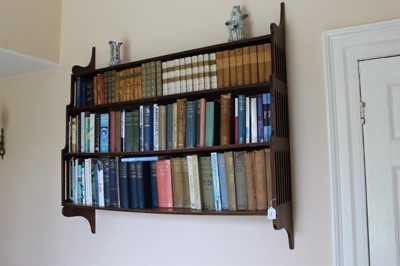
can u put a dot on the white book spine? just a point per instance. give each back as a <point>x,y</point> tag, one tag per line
<point>247,120</point>
<point>100,183</point>
<point>170,76</point>
<point>200,62</point>
<point>83,132</point>
<point>191,182</point>
<point>164,78</point>
<point>83,175</point>
<point>88,180</point>
<point>182,74</point>
<point>156,129</point>
<point>207,72</point>
<point>213,71</point>
<point>92,129</point>
<point>195,73</point>
<point>177,81</point>
<point>189,74</point>
<point>253,118</point>
<point>196,180</point>
<point>215,175</point>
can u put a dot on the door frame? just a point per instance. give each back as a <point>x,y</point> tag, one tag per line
<point>343,49</point>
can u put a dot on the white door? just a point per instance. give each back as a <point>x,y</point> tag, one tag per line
<point>380,90</point>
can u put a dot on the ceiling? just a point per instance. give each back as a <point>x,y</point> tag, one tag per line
<point>15,64</point>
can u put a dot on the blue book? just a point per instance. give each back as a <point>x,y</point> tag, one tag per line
<point>113,184</point>
<point>216,181</point>
<point>123,144</point>
<point>123,185</point>
<point>94,171</point>
<point>80,184</point>
<point>136,130</point>
<point>169,126</point>
<point>132,176</point>
<point>260,126</point>
<point>148,127</point>
<point>191,107</point>
<point>140,159</point>
<point>78,92</point>
<point>153,185</point>
<point>241,119</point>
<point>140,185</point>
<point>269,113</point>
<point>106,176</point>
<point>222,181</point>
<point>104,132</point>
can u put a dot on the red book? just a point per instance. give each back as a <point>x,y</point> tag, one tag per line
<point>164,183</point>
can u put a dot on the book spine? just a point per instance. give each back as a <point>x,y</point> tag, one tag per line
<point>226,69</point>
<point>164,78</point>
<point>106,176</point>
<point>136,130</point>
<point>232,68</point>
<point>182,75</point>
<point>128,131</point>
<point>207,72</point>
<point>177,187</point>
<point>100,183</point>
<point>164,183</point>
<point>147,128</point>
<point>191,122</point>
<point>260,123</point>
<point>177,73</point>
<point>213,71</point>
<point>153,185</point>
<point>220,69</point>
<point>189,74</point>
<point>226,118</point>
<point>241,119</point>
<point>133,185</point>
<point>230,181</point>
<point>222,181</point>
<point>169,126</point>
<point>140,173</point>
<point>122,136</point>
<point>162,118</point>
<point>240,179</point>
<point>123,185</point>
<point>181,123</point>
<point>156,128</point>
<point>195,73</point>
<point>246,65</point>
<point>216,181</point>
<point>253,64</point>
<point>200,62</point>
<point>249,160</point>
<point>206,181</point>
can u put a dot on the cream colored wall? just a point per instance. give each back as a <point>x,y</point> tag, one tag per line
<point>31,28</point>
<point>32,109</point>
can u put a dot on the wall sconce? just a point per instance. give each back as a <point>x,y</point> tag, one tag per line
<point>2,149</point>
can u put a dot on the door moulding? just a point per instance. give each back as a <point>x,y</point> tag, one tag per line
<point>343,50</point>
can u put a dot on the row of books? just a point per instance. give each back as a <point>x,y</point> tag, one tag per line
<point>239,180</point>
<point>236,67</point>
<point>179,125</point>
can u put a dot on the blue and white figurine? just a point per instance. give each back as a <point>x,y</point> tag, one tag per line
<point>115,53</point>
<point>235,24</point>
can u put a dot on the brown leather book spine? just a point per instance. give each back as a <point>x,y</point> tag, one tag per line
<point>261,182</point>
<point>268,60</point>
<point>250,181</point>
<point>239,66</point>
<point>225,63</point>
<point>253,65</point>
<point>220,69</point>
<point>181,123</point>
<point>246,65</point>
<point>226,119</point>
<point>232,68</point>
<point>262,76</point>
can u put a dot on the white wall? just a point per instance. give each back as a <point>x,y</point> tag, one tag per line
<point>32,110</point>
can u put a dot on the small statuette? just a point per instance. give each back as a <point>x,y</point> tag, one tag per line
<point>115,53</point>
<point>235,24</point>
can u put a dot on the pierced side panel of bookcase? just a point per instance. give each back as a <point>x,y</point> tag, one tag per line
<point>281,183</point>
<point>88,213</point>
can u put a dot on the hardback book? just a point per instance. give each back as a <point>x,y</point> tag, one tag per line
<point>164,78</point>
<point>260,114</point>
<point>194,182</point>
<point>148,127</point>
<point>100,86</point>
<point>220,69</point>
<point>181,123</point>
<point>141,128</point>
<point>248,120</point>
<point>200,62</point>
<point>94,182</point>
<point>232,68</point>
<point>106,176</point>
<point>253,64</point>
<point>153,184</point>
<point>145,78</point>
<point>239,66</point>
<point>262,75</point>
<point>185,183</point>
<point>230,181</point>
<point>182,74</point>
<point>171,82</point>
<point>136,130</point>
<point>260,181</point>
<point>240,179</point>
<point>188,74</point>
<point>177,184</point>
<point>100,183</point>
<point>122,136</point>
<point>177,81</point>
<point>88,181</point>
<point>104,132</point>
<point>195,73</point>
<point>123,185</point>
<point>83,131</point>
<point>128,131</point>
<point>241,119</point>
<point>250,163</point>
<point>207,183</point>
<point>91,132</point>
<point>164,183</point>
<point>156,129</point>
<point>113,183</point>
<point>140,159</point>
<point>227,134</point>
<point>73,134</point>
<point>117,131</point>
<point>269,118</point>
<point>246,65</point>
<point>143,184</point>
<point>201,122</point>
<point>213,71</point>
<point>96,133</point>
<point>190,130</point>
<point>236,121</point>
<point>158,78</point>
<point>117,173</point>
<point>212,130</point>
<point>207,71</point>
<point>175,125</point>
<point>169,126</point>
<point>162,141</point>
<point>133,185</point>
<point>253,119</point>
<point>268,174</point>
<point>222,181</point>
<point>216,181</point>
<point>226,69</point>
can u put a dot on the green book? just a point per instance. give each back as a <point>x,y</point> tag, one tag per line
<point>128,131</point>
<point>212,124</point>
<point>136,130</point>
<point>241,182</point>
<point>207,184</point>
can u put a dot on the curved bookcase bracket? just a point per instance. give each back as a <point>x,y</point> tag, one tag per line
<point>89,214</point>
<point>76,70</point>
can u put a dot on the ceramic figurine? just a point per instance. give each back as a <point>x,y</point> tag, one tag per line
<point>235,24</point>
<point>115,53</point>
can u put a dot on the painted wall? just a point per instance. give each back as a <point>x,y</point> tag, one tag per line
<point>31,28</point>
<point>32,110</point>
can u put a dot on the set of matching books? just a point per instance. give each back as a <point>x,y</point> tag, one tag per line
<point>179,125</point>
<point>241,66</point>
<point>231,180</point>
